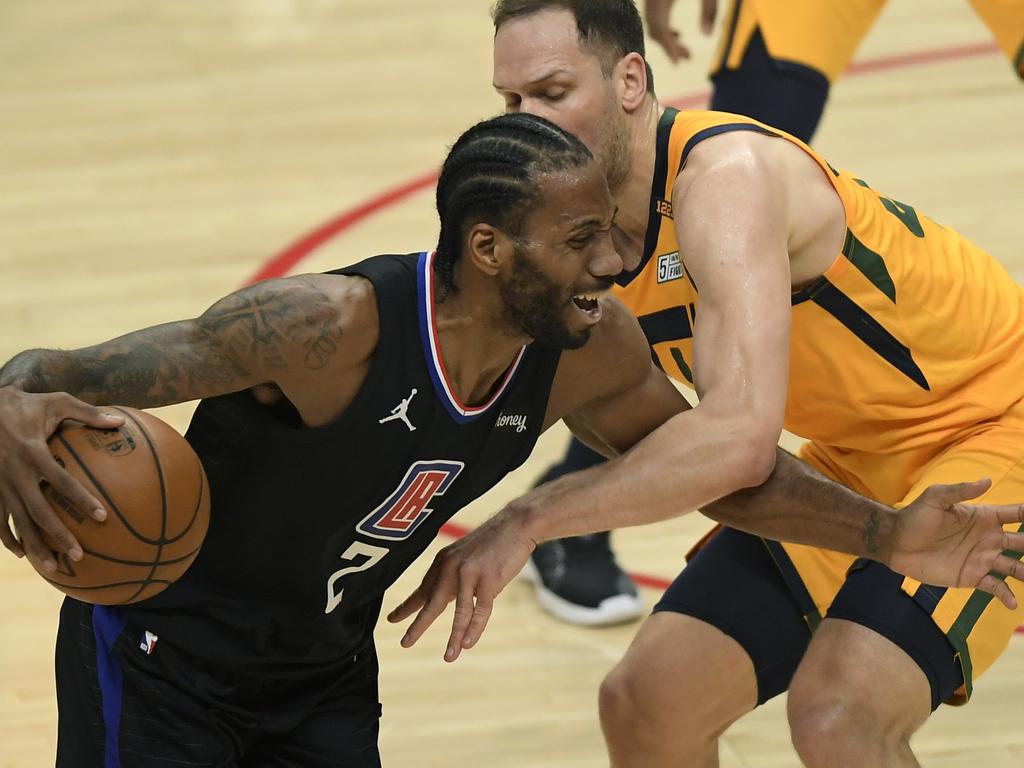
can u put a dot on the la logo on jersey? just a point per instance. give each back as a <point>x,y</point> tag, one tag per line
<point>406,508</point>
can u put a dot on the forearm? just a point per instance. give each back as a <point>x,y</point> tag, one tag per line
<point>687,462</point>
<point>156,366</point>
<point>270,332</point>
<point>800,505</point>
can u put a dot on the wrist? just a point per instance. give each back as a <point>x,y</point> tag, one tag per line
<point>880,534</point>
<point>525,517</point>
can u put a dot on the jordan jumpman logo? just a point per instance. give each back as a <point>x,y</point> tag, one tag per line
<point>399,412</point>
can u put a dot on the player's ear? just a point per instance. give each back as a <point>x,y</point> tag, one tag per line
<point>631,78</point>
<point>485,248</point>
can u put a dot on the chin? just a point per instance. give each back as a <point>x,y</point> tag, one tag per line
<point>567,339</point>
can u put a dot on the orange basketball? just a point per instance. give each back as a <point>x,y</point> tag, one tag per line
<point>158,509</point>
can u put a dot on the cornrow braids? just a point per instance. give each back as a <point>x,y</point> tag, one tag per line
<point>492,174</point>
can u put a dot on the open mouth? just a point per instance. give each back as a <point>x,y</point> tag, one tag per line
<point>589,304</point>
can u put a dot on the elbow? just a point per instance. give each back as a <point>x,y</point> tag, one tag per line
<point>753,461</point>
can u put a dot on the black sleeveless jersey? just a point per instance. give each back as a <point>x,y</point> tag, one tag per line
<point>309,526</point>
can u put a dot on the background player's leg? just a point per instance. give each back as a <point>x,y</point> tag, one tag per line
<point>726,637</point>
<point>787,96</point>
<point>1005,18</point>
<point>578,579</point>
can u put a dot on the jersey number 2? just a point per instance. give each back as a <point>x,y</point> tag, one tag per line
<point>373,555</point>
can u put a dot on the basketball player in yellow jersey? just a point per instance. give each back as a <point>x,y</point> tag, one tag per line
<point>813,38</point>
<point>789,293</point>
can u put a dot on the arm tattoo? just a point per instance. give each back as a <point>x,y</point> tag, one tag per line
<point>239,342</point>
<point>271,323</point>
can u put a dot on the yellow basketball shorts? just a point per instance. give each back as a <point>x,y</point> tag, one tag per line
<point>977,625</point>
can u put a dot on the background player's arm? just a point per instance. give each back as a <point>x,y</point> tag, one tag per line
<point>287,333</point>
<point>657,19</point>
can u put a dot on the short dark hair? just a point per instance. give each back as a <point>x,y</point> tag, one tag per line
<point>492,174</point>
<point>610,28</point>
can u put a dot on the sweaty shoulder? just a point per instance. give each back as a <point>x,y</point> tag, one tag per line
<point>763,183</point>
<point>614,359</point>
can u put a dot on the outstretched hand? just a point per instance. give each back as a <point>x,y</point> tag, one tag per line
<point>472,571</point>
<point>943,541</point>
<point>656,16</point>
<point>26,422</point>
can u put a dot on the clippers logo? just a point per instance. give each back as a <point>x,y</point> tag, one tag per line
<point>403,511</point>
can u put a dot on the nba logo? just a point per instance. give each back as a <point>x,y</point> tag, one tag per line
<point>148,643</point>
<point>403,511</point>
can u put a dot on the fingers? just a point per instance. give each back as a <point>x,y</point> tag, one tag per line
<point>67,492</point>
<point>481,613</point>
<point>7,537</point>
<point>656,13</point>
<point>440,594</point>
<point>708,12</point>
<point>669,40</point>
<point>954,493</point>
<point>1000,589</point>
<point>31,541</point>
<point>42,517</point>
<point>1009,513</point>
<point>408,607</point>
<point>63,406</point>
<point>1009,567</point>
<point>464,606</point>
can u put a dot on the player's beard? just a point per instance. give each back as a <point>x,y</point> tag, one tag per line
<point>537,307</point>
<point>613,147</point>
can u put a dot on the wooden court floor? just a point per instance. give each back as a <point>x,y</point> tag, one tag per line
<point>155,154</point>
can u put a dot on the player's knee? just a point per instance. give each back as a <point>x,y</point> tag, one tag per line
<point>617,702</point>
<point>641,713</point>
<point>629,709</point>
<point>832,726</point>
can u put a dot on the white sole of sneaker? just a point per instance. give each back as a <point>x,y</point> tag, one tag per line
<point>613,610</point>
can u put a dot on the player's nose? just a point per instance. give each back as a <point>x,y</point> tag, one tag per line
<point>607,261</point>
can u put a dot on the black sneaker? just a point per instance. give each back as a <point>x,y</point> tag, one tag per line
<point>578,581</point>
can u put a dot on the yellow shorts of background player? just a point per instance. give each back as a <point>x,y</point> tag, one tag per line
<point>978,628</point>
<point>1005,19</point>
<point>825,34</point>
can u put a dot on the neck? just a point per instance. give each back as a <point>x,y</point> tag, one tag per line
<point>633,195</point>
<point>474,349</point>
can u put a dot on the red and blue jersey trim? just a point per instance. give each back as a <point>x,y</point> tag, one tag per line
<point>432,350</point>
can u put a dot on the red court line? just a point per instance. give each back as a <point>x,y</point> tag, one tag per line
<point>282,263</point>
<point>922,57</point>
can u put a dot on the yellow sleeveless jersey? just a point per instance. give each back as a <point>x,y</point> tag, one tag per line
<point>910,339</point>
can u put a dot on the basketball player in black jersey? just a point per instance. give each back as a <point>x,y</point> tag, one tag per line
<point>345,417</point>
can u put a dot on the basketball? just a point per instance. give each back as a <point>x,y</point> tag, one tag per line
<point>158,509</point>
